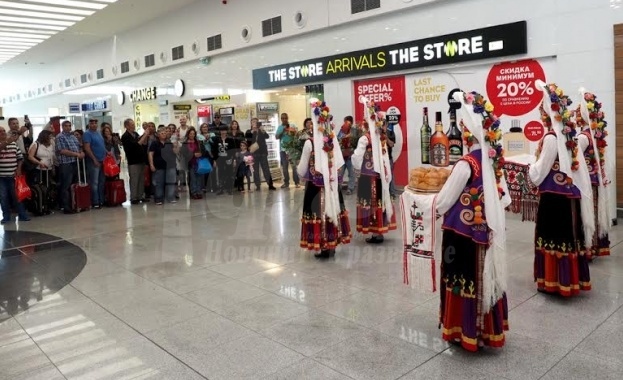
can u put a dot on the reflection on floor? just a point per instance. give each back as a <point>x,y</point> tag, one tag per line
<point>219,289</point>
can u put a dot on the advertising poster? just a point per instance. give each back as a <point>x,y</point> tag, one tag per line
<point>388,93</point>
<point>509,86</point>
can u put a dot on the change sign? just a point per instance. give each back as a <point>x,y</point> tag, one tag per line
<point>492,42</point>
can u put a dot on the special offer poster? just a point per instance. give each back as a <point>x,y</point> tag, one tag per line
<point>389,94</point>
<point>509,86</point>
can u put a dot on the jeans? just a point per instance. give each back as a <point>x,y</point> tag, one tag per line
<point>225,174</point>
<point>348,166</point>
<point>196,181</point>
<point>285,166</point>
<point>8,199</point>
<point>95,176</point>
<point>392,187</point>
<point>137,181</point>
<point>68,175</point>
<point>261,161</point>
<point>165,183</point>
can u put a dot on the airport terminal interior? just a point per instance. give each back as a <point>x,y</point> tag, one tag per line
<point>241,271</point>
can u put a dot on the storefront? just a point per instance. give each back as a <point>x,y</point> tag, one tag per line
<point>401,79</point>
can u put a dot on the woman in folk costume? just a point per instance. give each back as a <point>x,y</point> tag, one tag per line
<point>565,214</point>
<point>375,210</point>
<point>474,311</point>
<point>324,223</point>
<point>592,141</point>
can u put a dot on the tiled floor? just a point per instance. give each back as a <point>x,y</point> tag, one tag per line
<point>219,289</point>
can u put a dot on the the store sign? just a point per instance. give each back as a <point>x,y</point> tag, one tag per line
<point>492,42</point>
<point>182,107</point>
<point>144,94</point>
<point>267,107</point>
<point>96,105</point>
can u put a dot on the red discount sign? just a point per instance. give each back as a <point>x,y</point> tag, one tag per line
<point>533,131</point>
<point>510,86</point>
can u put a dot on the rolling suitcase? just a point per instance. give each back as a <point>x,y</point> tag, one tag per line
<point>39,204</point>
<point>81,191</point>
<point>115,192</point>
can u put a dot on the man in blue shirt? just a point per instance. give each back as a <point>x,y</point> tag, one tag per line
<point>285,133</point>
<point>68,150</point>
<point>95,149</point>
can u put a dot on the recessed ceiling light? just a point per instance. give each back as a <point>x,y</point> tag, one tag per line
<point>37,21</point>
<point>20,39</point>
<point>43,8</point>
<point>26,31</point>
<point>71,3</point>
<point>20,35</point>
<point>17,12</point>
<point>20,25</point>
<point>13,43</point>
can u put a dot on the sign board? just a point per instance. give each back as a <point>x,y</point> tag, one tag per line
<point>144,94</point>
<point>182,107</point>
<point>74,108</point>
<point>492,42</point>
<point>96,105</point>
<point>267,107</point>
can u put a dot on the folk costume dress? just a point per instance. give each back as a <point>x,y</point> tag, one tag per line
<point>375,210</point>
<point>324,223</point>
<point>473,307</point>
<point>565,214</point>
<point>592,143</point>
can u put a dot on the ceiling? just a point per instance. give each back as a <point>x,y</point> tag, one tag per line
<point>117,16</point>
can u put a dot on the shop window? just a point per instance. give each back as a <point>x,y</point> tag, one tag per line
<point>177,52</point>
<point>271,26</point>
<point>125,67</point>
<point>150,60</point>
<point>83,78</point>
<point>99,74</point>
<point>358,6</point>
<point>215,42</point>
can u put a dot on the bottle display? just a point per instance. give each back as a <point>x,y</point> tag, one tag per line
<point>455,138</point>
<point>515,142</point>
<point>439,144</point>
<point>425,135</point>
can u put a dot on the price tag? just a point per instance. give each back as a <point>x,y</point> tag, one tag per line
<point>534,131</point>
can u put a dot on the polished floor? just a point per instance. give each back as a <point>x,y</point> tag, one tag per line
<point>218,289</point>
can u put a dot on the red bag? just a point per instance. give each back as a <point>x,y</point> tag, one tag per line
<point>111,169</point>
<point>115,192</point>
<point>21,189</point>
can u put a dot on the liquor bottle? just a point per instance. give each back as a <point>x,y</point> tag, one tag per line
<point>425,133</point>
<point>439,144</point>
<point>455,138</point>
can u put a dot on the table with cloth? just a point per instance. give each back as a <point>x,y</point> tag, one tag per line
<point>524,195</point>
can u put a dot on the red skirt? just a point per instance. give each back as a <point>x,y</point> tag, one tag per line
<point>317,231</point>
<point>371,219</point>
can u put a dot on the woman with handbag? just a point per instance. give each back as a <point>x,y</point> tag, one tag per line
<point>41,157</point>
<point>190,153</point>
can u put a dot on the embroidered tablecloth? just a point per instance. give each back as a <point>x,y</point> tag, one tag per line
<point>421,239</point>
<point>524,196</point>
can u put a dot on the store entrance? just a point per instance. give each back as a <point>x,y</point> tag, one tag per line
<point>618,101</point>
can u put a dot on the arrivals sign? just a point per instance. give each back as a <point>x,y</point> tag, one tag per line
<point>492,42</point>
<point>144,94</point>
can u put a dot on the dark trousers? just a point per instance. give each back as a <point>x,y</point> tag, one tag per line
<point>261,161</point>
<point>285,166</point>
<point>225,174</point>
<point>68,175</point>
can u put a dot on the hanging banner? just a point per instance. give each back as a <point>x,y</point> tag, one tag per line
<point>478,44</point>
<point>389,95</point>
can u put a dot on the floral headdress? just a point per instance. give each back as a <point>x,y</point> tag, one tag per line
<point>598,124</point>
<point>325,126</point>
<point>378,117</point>
<point>492,133</point>
<point>560,107</point>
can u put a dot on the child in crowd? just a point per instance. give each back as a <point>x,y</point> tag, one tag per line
<point>244,159</point>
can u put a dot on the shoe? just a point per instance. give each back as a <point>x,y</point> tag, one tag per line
<point>5,221</point>
<point>298,186</point>
<point>199,196</point>
<point>221,192</point>
<point>97,207</point>
<point>349,192</point>
<point>173,201</point>
<point>285,186</point>
<point>25,218</point>
<point>158,203</point>
<point>135,202</point>
<point>325,254</point>
<point>145,200</point>
<point>375,240</point>
<point>272,188</point>
<point>68,212</point>
<point>257,188</point>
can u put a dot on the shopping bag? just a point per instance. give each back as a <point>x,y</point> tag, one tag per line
<point>203,166</point>
<point>21,189</point>
<point>111,169</point>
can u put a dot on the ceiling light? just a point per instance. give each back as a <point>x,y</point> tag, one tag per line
<point>13,43</point>
<point>36,21</point>
<point>21,39</point>
<point>70,3</point>
<point>43,8</point>
<point>26,31</point>
<point>19,35</point>
<point>20,25</point>
<point>45,15</point>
